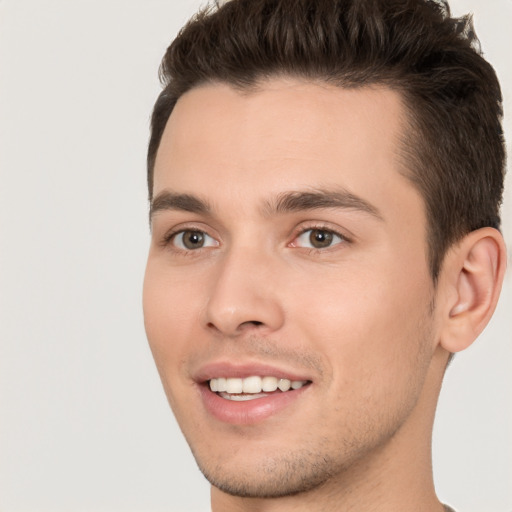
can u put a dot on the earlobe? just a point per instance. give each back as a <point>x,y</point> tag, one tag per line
<point>476,267</point>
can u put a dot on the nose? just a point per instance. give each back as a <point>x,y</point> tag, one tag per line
<point>244,295</point>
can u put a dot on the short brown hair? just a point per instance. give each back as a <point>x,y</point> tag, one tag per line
<point>454,150</point>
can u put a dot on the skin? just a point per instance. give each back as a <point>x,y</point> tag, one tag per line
<point>360,319</point>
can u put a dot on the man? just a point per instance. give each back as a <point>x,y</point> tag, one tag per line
<point>325,180</point>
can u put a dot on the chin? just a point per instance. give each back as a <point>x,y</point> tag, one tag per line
<point>284,467</point>
<point>274,478</point>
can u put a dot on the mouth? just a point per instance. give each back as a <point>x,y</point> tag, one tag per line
<point>249,394</point>
<point>253,387</point>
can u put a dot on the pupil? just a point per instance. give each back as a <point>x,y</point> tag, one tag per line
<point>319,238</point>
<point>193,240</point>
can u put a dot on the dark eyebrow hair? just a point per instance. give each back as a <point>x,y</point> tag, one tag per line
<point>286,202</point>
<point>320,198</point>
<point>167,200</point>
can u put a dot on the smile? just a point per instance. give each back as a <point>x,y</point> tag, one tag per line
<point>250,388</point>
<point>248,393</point>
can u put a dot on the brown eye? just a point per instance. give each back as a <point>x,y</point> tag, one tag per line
<point>193,239</point>
<point>318,239</point>
<point>189,240</point>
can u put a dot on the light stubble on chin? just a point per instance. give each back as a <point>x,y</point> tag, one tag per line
<point>297,473</point>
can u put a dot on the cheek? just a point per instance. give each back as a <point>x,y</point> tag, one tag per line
<point>168,315</point>
<point>371,327</point>
<point>169,318</point>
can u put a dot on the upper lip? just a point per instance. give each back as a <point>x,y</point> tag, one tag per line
<point>242,370</point>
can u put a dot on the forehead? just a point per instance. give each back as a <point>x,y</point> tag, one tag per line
<point>284,135</point>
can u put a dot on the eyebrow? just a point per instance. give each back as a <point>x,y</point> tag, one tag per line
<point>319,199</point>
<point>167,200</point>
<point>286,202</point>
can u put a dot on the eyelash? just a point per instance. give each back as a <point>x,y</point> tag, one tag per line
<point>170,236</point>
<point>323,228</point>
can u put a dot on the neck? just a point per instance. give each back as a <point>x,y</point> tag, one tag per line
<point>394,477</point>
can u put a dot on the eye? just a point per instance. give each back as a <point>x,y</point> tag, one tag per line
<point>188,240</point>
<point>317,239</point>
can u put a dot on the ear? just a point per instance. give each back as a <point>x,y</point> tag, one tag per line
<point>473,273</point>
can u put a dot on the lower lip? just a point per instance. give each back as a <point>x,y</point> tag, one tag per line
<point>250,411</point>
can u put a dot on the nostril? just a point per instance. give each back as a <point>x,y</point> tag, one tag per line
<point>244,326</point>
<point>252,322</point>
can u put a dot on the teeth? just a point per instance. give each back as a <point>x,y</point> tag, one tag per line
<point>284,384</point>
<point>269,384</point>
<point>221,385</point>
<point>234,385</point>
<point>253,385</point>
<point>241,397</point>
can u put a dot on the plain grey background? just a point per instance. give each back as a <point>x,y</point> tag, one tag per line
<point>84,425</point>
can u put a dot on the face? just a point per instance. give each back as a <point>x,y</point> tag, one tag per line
<point>287,272</point>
